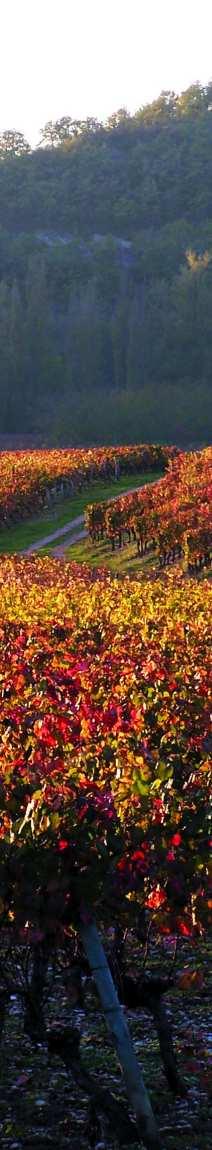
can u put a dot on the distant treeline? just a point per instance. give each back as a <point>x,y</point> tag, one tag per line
<point>106,275</point>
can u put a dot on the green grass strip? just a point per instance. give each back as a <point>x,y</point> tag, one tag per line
<point>16,538</point>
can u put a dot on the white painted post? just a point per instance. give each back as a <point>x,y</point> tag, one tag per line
<point>119,1031</point>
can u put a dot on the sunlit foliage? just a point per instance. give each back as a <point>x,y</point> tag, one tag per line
<point>172,517</point>
<point>104,747</point>
<point>28,477</point>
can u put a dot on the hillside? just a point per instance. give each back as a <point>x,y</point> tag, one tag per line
<point>106,276</point>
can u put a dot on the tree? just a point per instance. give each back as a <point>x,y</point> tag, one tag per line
<point>13,144</point>
<point>16,353</point>
<point>192,102</point>
<point>63,131</point>
<point>37,328</point>
<point>158,110</point>
<point>48,134</point>
<point>4,354</point>
<point>92,125</point>
<point>120,341</point>
<point>119,119</point>
<point>124,288</point>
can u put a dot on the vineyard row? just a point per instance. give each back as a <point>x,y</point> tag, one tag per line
<point>172,517</point>
<point>31,480</point>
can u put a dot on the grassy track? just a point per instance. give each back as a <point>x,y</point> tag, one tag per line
<point>23,534</point>
<point>121,562</point>
<point>100,555</point>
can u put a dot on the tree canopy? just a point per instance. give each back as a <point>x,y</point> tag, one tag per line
<point>105,269</point>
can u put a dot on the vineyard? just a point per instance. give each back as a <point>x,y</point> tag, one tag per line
<point>172,519</point>
<point>105,774</point>
<point>28,479</point>
<point>105,703</point>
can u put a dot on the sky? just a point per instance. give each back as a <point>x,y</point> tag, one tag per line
<point>90,57</point>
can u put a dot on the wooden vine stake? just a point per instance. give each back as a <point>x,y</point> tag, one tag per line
<point>119,1032</point>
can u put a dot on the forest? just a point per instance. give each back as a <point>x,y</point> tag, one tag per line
<point>106,276</point>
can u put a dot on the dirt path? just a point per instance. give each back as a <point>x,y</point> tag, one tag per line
<point>66,530</point>
<point>73,531</point>
<point>74,538</point>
